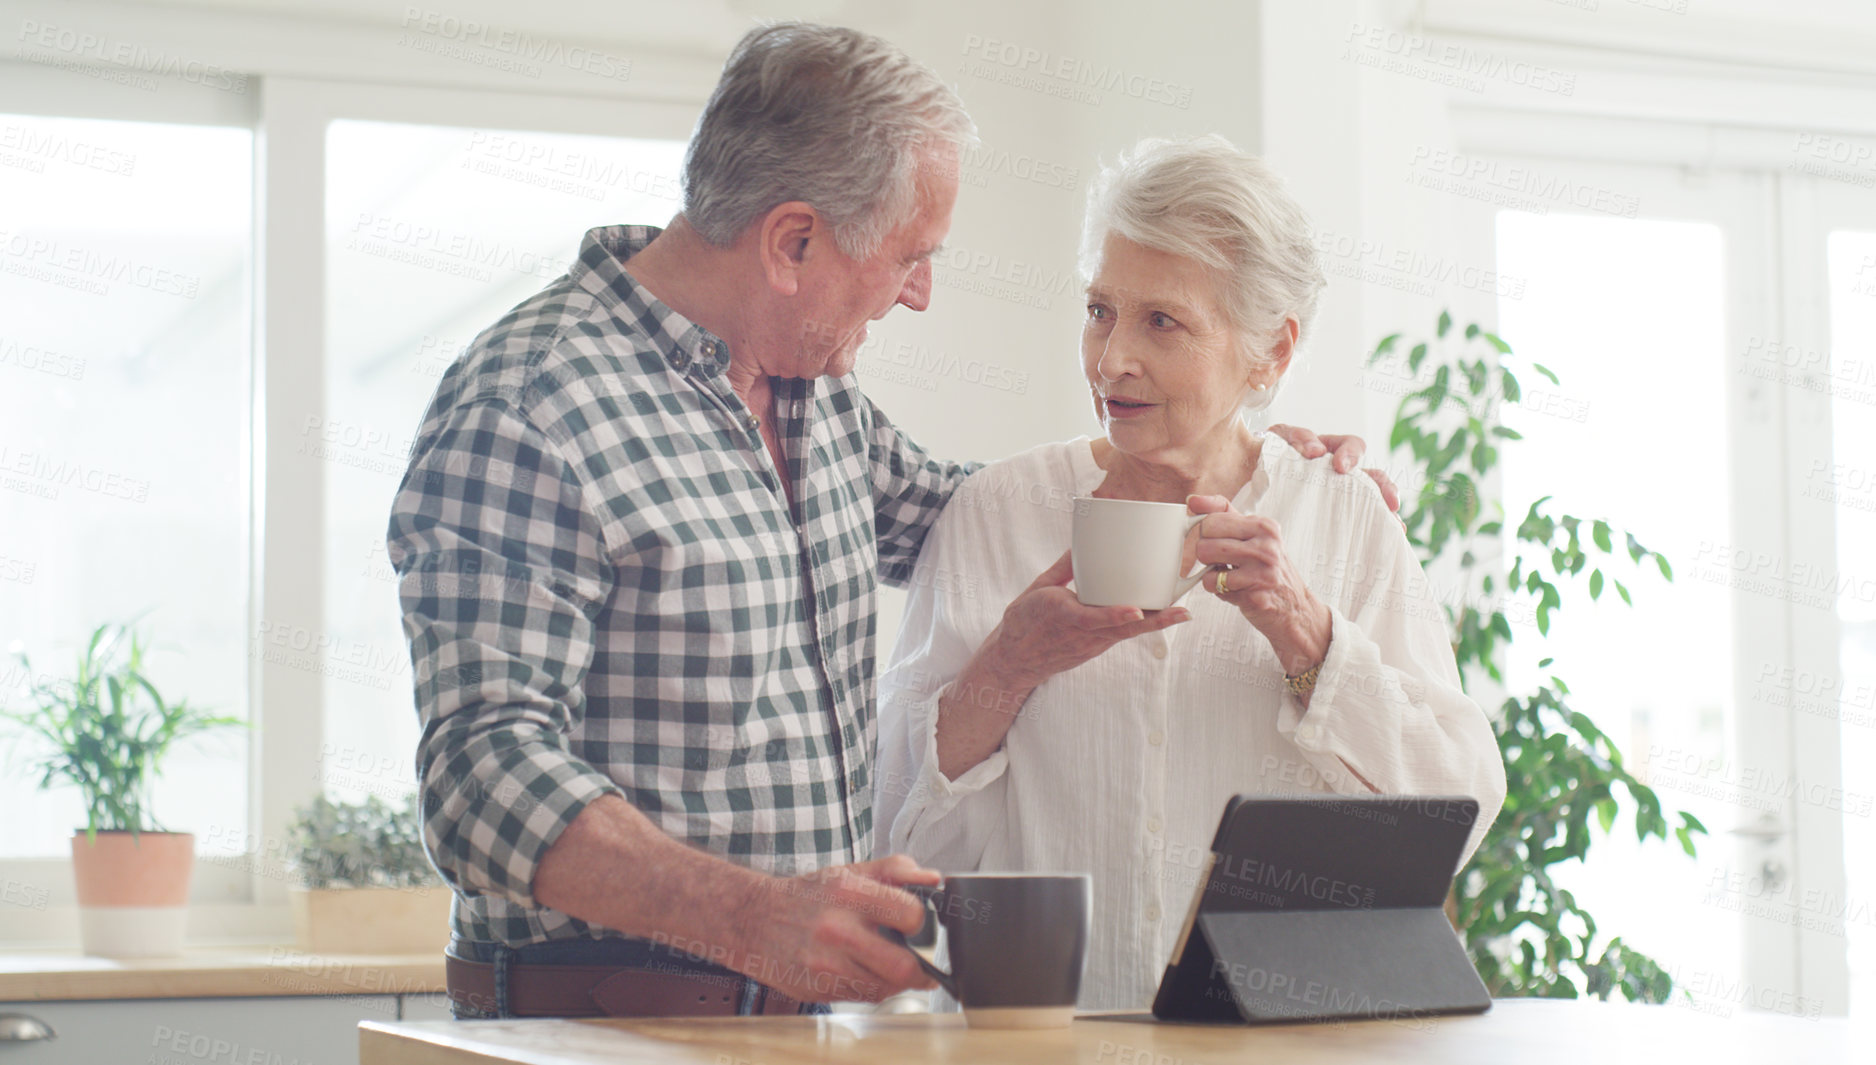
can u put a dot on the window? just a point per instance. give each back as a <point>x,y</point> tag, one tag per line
<point>1716,398</point>
<point>433,233</point>
<point>125,270</point>
<point>221,485</point>
<point>1636,432</point>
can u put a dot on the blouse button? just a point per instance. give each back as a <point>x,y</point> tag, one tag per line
<point>1156,737</point>
<point>1159,650</point>
<point>1153,825</point>
<point>1152,911</point>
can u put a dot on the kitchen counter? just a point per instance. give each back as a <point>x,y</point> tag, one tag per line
<point>1528,1032</point>
<point>216,973</point>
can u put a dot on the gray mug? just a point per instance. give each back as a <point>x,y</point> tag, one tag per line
<point>1017,943</point>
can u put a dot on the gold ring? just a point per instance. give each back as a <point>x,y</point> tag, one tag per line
<point>1220,583</point>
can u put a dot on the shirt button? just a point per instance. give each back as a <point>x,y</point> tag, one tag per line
<point>1159,650</point>
<point>1156,737</point>
<point>1152,911</point>
<point>752,423</point>
<point>1153,825</point>
<point>1308,734</point>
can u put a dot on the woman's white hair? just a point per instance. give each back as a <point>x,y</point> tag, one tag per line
<point>1205,200</point>
<point>833,117</point>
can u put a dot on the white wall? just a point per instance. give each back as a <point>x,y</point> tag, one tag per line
<point>1292,79</point>
<point>1187,67</point>
<point>1283,77</point>
<point>1018,236</point>
<point>992,368</point>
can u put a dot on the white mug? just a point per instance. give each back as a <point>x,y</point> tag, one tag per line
<point>1128,552</point>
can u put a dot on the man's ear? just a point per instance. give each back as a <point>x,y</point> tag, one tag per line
<point>783,237</point>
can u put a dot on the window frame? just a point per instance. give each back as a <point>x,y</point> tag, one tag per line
<point>243,899</point>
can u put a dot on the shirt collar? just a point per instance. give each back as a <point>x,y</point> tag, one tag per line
<point>600,270</point>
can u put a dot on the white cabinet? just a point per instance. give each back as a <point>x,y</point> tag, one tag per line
<point>303,1030</point>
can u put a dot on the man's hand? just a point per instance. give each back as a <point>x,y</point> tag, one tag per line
<point>1347,450</point>
<point>815,937</point>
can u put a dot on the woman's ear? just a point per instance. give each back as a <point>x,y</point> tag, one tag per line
<point>1277,363</point>
<point>783,237</point>
<point>1285,346</point>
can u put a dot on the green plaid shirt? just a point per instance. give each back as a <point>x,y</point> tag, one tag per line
<point>605,592</point>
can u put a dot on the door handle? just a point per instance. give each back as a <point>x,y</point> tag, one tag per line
<point>1767,829</point>
<point>20,1028</point>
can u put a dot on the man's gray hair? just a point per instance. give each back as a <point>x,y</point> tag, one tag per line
<point>833,117</point>
<point>1205,200</point>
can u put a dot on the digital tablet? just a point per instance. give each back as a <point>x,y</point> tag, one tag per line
<point>1326,908</point>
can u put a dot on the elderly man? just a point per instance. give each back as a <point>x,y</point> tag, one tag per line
<point>638,545</point>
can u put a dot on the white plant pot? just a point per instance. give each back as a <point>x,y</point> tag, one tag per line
<point>133,892</point>
<point>132,931</point>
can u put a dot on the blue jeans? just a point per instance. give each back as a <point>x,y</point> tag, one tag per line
<point>624,953</point>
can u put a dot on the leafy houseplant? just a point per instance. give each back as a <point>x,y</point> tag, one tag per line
<point>107,730</point>
<point>357,845</point>
<point>366,885</point>
<point>1526,935</point>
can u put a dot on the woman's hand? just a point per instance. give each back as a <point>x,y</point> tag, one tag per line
<point>1044,631</point>
<point>1263,584</point>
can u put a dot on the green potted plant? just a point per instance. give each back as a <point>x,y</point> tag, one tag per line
<point>366,886</point>
<point>107,730</point>
<point>1527,935</point>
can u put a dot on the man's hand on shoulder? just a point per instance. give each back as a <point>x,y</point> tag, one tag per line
<point>1347,452</point>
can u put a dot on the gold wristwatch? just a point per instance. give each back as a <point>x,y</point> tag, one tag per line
<point>1305,682</point>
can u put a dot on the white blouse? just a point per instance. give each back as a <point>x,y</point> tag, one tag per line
<point>1121,766</point>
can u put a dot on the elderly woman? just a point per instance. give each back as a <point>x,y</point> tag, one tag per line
<point>1022,730</point>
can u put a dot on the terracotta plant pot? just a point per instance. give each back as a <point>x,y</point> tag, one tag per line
<point>371,920</point>
<point>133,892</point>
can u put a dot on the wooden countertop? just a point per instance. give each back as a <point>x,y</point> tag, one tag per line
<point>248,972</point>
<point>1524,1032</point>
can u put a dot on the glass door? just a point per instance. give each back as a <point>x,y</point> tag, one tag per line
<point>1651,317</point>
<point>1828,372</point>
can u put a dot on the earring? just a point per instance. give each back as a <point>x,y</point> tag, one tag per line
<point>1261,386</point>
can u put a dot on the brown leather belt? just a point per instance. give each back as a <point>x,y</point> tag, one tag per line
<point>536,990</point>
